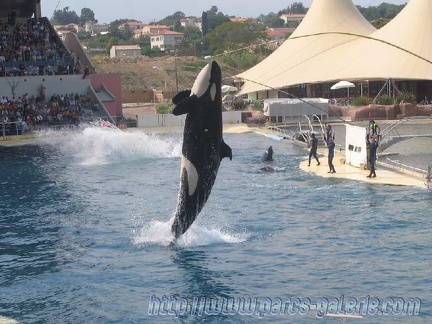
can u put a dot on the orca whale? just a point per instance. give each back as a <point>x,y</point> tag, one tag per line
<point>268,155</point>
<point>267,169</point>
<point>203,146</point>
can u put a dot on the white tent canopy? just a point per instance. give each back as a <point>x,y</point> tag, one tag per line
<point>288,64</point>
<point>334,43</point>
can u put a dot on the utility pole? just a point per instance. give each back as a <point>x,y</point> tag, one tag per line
<point>176,71</point>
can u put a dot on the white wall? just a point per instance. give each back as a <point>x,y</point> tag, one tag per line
<point>231,117</point>
<point>168,120</point>
<point>160,120</point>
<point>355,145</point>
<point>59,84</point>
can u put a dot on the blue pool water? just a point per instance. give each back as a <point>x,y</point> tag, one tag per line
<point>85,218</point>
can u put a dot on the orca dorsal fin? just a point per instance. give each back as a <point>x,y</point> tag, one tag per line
<point>180,96</point>
<point>226,151</point>
<point>184,106</point>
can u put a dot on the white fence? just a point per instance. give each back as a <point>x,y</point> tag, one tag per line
<point>169,120</point>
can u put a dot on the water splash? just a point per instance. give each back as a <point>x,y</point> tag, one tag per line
<point>157,232</point>
<point>7,320</point>
<point>98,146</point>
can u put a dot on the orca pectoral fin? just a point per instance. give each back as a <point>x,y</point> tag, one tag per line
<point>226,151</point>
<point>184,105</point>
<point>180,96</point>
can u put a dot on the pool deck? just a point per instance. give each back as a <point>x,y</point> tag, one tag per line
<point>386,174</point>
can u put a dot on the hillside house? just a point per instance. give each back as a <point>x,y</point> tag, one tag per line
<point>133,25</point>
<point>166,40</point>
<point>292,20</point>
<point>278,34</point>
<point>125,51</point>
<point>154,29</point>
<point>191,21</point>
<point>96,28</point>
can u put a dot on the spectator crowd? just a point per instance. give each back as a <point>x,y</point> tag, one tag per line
<point>29,111</point>
<point>32,48</point>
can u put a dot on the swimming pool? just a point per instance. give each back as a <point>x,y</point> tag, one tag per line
<point>84,220</point>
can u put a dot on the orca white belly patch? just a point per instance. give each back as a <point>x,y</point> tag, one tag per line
<point>192,174</point>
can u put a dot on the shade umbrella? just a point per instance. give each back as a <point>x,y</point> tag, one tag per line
<point>227,88</point>
<point>342,85</point>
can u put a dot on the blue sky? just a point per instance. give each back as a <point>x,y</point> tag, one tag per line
<point>148,11</point>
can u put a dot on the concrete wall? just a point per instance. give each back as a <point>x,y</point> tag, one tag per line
<point>168,120</point>
<point>74,46</point>
<point>112,83</point>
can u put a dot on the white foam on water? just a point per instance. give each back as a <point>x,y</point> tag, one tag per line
<point>7,320</point>
<point>157,232</point>
<point>91,145</point>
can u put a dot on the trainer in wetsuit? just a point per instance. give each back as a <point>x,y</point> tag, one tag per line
<point>313,149</point>
<point>373,145</point>
<point>331,147</point>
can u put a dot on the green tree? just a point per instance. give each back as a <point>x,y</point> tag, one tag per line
<point>234,35</point>
<point>177,26</point>
<point>273,20</point>
<point>114,28</point>
<point>214,10</point>
<point>215,18</point>
<point>111,42</point>
<point>380,22</point>
<point>126,33</point>
<point>86,15</point>
<point>384,10</point>
<point>298,8</point>
<point>243,60</point>
<point>64,17</point>
<point>204,23</point>
<point>294,8</point>
<point>170,20</point>
<point>84,35</point>
<point>192,33</point>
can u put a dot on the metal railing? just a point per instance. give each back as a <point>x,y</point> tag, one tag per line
<point>405,167</point>
<point>392,127</point>
<point>281,131</point>
<point>428,178</point>
<point>11,129</point>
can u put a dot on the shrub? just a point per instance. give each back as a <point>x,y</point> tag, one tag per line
<point>385,100</point>
<point>406,97</point>
<point>164,108</point>
<point>257,105</point>
<point>239,104</point>
<point>360,101</point>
